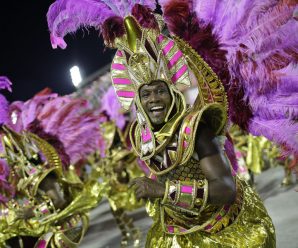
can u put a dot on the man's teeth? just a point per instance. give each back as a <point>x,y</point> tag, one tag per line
<point>156,108</point>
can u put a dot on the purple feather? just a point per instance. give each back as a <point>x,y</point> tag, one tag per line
<point>75,126</point>
<point>289,76</point>
<point>15,109</point>
<point>67,16</point>
<point>65,118</point>
<point>4,105</point>
<point>262,54</point>
<point>262,50</point>
<point>281,131</point>
<point>255,56</point>
<point>5,83</point>
<point>4,112</point>
<point>111,106</point>
<point>206,9</point>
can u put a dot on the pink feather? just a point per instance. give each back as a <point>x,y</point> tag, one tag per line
<point>281,131</point>
<point>250,44</point>
<point>5,84</point>
<point>111,106</point>
<point>65,118</point>
<point>67,16</point>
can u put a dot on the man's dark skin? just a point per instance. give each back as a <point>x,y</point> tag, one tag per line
<point>53,190</point>
<point>156,101</point>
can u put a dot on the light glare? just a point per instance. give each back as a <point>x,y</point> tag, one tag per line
<point>14,117</point>
<point>75,75</point>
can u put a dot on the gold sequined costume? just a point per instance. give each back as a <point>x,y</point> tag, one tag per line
<point>51,227</point>
<point>245,224</point>
<point>258,152</point>
<point>116,179</point>
<point>183,220</point>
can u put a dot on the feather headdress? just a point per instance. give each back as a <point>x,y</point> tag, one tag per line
<point>62,121</point>
<point>249,44</point>
<point>67,16</point>
<point>259,58</point>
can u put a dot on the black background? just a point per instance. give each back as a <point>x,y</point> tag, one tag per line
<point>26,55</point>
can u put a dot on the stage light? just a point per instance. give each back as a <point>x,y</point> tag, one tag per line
<point>14,117</point>
<point>75,75</point>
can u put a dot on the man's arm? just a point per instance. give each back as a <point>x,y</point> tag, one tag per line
<point>215,166</point>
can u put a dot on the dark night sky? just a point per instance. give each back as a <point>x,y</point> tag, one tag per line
<point>26,56</point>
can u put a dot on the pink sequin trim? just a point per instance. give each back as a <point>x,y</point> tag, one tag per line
<point>42,244</point>
<point>208,227</point>
<point>121,81</point>
<point>119,53</point>
<point>119,67</point>
<point>175,58</point>
<point>186,189</point>
<point>179,73</point>
<point>168,47</point>
<point>153,177</point>
<point>238,154</point>
<point>146,136</point>
<point>160,38</point>
<point>218,217</point>
<point>45,211</point>
<point>187,130</point>
<point>170,229</point>
<point>126,94</point>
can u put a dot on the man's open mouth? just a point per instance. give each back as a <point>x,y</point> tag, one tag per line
<point>157,109</point>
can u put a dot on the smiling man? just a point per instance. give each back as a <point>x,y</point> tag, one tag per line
<point>193,197</point>
<point>156,101</point>
<point>191,188</point>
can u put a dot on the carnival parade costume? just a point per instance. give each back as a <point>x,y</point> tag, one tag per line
<point>114,163</point>
<point>78,131</point>
<point>40,161</point>
<point>255,152</point>
<point>258,153</point>
<point>233,37</point>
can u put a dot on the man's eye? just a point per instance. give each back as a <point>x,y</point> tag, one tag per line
<point>144,95</point>
<point>162,91</point>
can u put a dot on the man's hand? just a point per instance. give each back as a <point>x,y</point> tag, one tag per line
<point>147,188</point>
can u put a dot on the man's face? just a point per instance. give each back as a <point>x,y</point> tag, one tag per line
<point>53,190</point>
<point>156,101</point>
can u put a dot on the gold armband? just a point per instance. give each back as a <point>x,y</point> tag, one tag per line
<point>186,194</point>
<point>44,209</point>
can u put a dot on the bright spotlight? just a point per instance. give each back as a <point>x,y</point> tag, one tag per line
<point>75,75</point>
<point>14,117</point>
